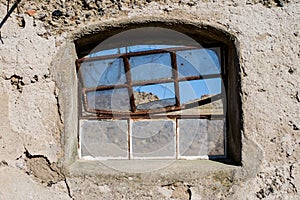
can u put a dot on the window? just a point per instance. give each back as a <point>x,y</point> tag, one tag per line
<point>152,101</point>
<point>155,93</point>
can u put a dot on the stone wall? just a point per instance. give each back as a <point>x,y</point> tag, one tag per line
<point>33,100</point>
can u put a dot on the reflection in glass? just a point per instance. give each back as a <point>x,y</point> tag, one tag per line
<point>215,137</point>
<point>117,99</point>
<point>153,138</point>
<point>195,90</point>
<point>198,62</point>
<point>200,137</point>
<point>104,138</point>
<point>154,96</point>
<point>102,72</point>
<point>192,137</point>
<point>150,67</point>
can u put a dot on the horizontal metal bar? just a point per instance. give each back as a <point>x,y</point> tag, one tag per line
<point>105,87</point>
<point>209,117</point>
<point>131,54</point>
<point>152,82</point>
<point>154,111</point>
<point>140,83</point>
<point>138,112</point>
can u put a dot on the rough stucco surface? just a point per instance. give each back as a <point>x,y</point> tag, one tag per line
<point>31,134</point>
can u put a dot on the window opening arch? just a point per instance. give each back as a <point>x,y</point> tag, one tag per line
<point>180,85</point>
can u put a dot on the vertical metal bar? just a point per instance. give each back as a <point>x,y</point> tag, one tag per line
<point>177,138</point>
<point>175,76</point>
<point>129,82</point>
<point>129,138</point>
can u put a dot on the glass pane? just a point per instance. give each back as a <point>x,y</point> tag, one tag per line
<point>103,72</point>
<point>213,108</point>
<point>191,91</point>
<point>192,137</point>
<point>150,67</point>
<point>201,137</point>
<point>103,138</point>
<point>198,62</point>
<point>115,100</point>
<point>215,137</point>
<point>154,96</point>
<point>153,138</point>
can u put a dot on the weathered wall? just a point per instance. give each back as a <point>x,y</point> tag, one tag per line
<point>33,122</point>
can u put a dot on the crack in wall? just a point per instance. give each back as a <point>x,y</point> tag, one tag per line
<point>40,167</point>
<point>46,172</point>
<point>68,189</point>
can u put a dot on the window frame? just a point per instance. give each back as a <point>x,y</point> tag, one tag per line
<point>134,113</point>
<point>163,113</point>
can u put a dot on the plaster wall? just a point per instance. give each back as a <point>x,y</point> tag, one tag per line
<point>39,100</point>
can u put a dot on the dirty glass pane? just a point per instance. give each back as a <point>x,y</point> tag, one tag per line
<point>154,96</point>
<point>213,108</point>
<point>104,138</point>
<point>103,72</point>
<point>200,137</point>
<point>150,67</point>
<point>198,62</point>
<point>153,138</point>
<point>192,137</point>
<point>215,137</point>
<point>191,91</point>
<point>117,99</point>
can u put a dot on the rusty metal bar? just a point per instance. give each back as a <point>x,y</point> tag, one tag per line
<point>138,112</point>
<point>105,87</point>
<point>155,51</point>
<point>129,83</point>
<point>140,53</point>
<point>152,82</point>
<point>175,76</point>
<point>136,117</point>
<point>201,102</point>
<point>133,84</point>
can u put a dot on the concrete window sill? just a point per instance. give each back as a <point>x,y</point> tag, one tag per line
<point>190,169</point>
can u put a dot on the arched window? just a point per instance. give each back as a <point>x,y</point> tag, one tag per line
<point>153,93</point>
